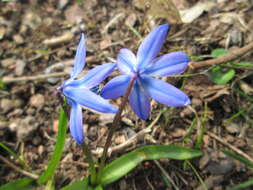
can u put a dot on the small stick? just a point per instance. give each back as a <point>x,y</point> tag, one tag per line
<point>149,183</point>
<point>166,174</point>
<point>7,80</point>
<point>133,138</point>
<point>229,57</point>
<point>238,151</point>
<point>26,173</point>
<point>115,124</point>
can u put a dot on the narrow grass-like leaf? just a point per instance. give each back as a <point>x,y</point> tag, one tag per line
<point>248,163</point>
<point>243,64</point>
<point>19,184</point>
<point>62,129</point>
<point>15,155</point>
<point>242,185</point>
<point>2,84</point>
<point>78,185</point>
<point>121,166</point>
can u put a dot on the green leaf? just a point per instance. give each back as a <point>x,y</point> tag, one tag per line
<point>55,158</point>
<point>121,166</point>
<point>248,163</point>
<point>2,84</point>
<point>242,185</point>
<point>219,77</point>
<point>219,52</point>
<point>81,184</point>
<point>243,64</point>
<point>20,184</point>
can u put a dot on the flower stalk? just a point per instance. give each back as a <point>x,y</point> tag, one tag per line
<point>115,123</point>
<point>89,158</point>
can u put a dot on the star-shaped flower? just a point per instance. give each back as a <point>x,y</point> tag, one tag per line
<point>78,91</point>
<point>142,67</point>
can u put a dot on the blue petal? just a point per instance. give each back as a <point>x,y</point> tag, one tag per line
<point>126,61</point>
<point>164,93</point>
<point>139,102</point>
<point>167,65</point>
<point>116,87</point>
<point>151,45</point>
<point>94,76</point>
<point>86,98</point>
<point>79,58</point>
<point>76,123</point>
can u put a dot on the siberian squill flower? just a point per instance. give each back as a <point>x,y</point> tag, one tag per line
<point>144,67</point>
<point>78,91</point>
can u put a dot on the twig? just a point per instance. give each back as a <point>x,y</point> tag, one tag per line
<point>7,80</point>
<point>149,183</point>
<point>166,174</point>
<point>229,57</point>
<point>133,138</point>
<point>26,173</point>
<point>70,62</point>
<point>238,151</point>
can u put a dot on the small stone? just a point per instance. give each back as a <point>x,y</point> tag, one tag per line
<point>178,133</point>
<point>36,141</point>
<point>37,100</point>
<point>105,44</point>
<point>32,20</point>
<point>25,128</point>
<point>18,103</point>
<point>62,4</point>
<point>233,128</point>
<point>120,139</point>
<point>20,66</point>
<point>2,32</point>
<point>30,111</point>
<point>18,39</point>
<point>6,63</point>
<point>220,168</point>
<point>55,125</point>
<point>14,125</point>
<point>40,149</point>
<point>6,105</point>
<point>131,19</point>
<point>16,112</point>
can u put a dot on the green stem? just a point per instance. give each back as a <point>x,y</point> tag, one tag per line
<point>92,168</point>
<point>115,123</point>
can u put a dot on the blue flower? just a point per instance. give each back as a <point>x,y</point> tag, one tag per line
<point>79,91</point>
<point>142,67</point>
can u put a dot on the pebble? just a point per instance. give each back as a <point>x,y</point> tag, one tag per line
<point>25,127</point>
<point>62,4</point>
<point>18,39</point>
<point>32,20</point>
<point>40,149</point>
<point>220,168</point>
<point>131,19</point>
<point>120,139</point>
<point>6,63</point>
<point>6,105</point>
<point>37,100</point>
<point>2,32</point>
<point>20,66</point>
<point>30,111</point>
<point>233,128</point>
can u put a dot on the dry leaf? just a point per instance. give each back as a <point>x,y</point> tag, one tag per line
<point>160,9</point>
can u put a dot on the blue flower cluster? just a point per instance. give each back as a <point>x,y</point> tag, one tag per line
<point>143,67</point>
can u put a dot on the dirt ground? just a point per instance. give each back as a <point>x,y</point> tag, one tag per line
<point>39,38</point>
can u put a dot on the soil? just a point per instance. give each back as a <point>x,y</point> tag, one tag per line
<point>40,37</point>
